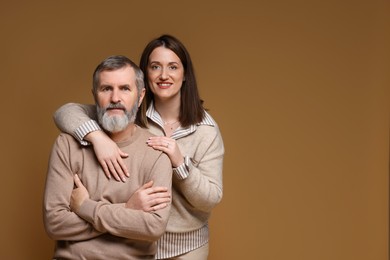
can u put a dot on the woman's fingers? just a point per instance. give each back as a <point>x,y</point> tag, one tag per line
<point>168,146</point>
<point>115,169</point>
<point>105,169</point>
<point>119,170</point>
<point>122,166</point>
<point>160,141</point>
<point>112,170</point>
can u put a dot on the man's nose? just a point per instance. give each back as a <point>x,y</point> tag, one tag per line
<point>115,97</point>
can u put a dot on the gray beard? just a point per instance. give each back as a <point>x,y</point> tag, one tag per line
<point>117,123</point>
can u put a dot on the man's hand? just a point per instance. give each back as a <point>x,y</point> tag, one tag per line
<point>79,194</point>
<point>109,155</point>
<point>148,198</point>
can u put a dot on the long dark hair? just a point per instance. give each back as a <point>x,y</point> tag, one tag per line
<point>191,106</point>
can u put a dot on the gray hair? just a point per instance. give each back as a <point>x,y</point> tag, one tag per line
<point>114,63</point>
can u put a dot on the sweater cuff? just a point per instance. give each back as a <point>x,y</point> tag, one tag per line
<point>182,171</point>
<point>85,129</point>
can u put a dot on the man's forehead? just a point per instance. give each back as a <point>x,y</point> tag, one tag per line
<point>125,75</point>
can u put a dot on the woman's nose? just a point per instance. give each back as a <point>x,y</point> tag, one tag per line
<point>164,74</point>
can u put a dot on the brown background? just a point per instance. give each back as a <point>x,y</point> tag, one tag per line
<point>300,90</point>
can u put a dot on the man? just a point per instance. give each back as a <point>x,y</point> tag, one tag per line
<point>94,220</point>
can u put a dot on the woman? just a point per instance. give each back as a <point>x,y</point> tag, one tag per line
<point>173,111</point>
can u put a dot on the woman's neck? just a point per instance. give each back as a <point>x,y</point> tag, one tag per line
<point>169,110</point>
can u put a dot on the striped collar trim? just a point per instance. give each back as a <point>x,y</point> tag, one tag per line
<point>153,115</point>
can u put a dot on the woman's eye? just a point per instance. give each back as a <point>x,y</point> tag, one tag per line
<point>173,67</point>
<point>154,67</point>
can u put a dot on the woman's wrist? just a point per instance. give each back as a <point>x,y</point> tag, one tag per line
<point>85,129</point>
<point>182,171</point>
<point>178,163</point>
<point>94,136</point>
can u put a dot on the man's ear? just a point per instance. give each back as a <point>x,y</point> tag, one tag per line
<point>141,96</point>
<point>94,96</point>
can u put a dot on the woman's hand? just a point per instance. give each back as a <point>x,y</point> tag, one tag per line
<point>168,146</point>
<point>79,194</point>
<point>149,198</point>
<point>109,155</point>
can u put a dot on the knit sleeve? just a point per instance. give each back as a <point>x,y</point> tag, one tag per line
<point>203,188</point>
<point>77,120</point>
<point>60,222</point>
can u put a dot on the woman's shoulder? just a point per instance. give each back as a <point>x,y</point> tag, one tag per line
<point>207,133</point>
<point>208,120</point>
<point>208,124</point>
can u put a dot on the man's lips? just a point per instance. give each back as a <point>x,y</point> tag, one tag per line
<point>115,110</point>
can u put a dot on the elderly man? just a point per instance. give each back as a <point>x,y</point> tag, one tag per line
<point>89,215</point>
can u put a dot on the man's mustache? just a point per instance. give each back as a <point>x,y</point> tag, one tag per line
<point>115,106</point>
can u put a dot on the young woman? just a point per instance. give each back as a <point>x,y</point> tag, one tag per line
<point>173,111</point>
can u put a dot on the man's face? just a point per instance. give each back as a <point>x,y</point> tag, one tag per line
<point>117,99</point>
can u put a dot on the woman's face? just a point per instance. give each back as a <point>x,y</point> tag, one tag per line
<point>165,74</point>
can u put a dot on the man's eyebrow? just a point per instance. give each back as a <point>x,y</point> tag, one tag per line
<point>120,86</point>
<point>125,85</point>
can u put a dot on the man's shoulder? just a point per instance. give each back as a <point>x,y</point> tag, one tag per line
<point>144,132</point>
<point>64,139</point>
<point>150,151</point>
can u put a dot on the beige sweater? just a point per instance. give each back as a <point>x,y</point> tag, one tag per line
<point>103,228</point>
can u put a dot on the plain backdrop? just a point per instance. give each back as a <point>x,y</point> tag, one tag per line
<point>300,90</point>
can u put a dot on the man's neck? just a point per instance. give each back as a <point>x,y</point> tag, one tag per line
<point>123,135</point>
